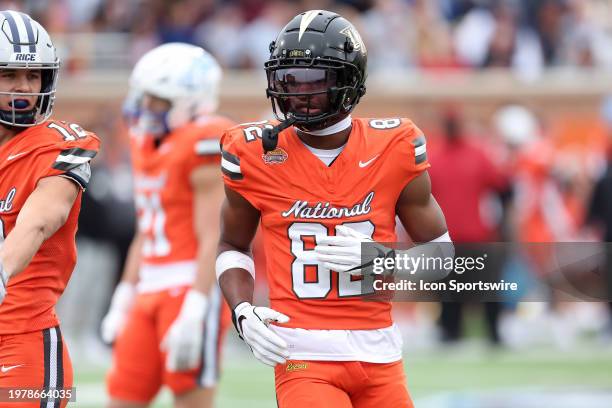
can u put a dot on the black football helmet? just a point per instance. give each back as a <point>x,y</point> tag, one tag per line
<point>316,71</point>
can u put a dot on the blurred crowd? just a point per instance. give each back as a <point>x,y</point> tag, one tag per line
<point>525,35</point>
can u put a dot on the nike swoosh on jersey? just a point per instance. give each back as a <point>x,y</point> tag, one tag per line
<point>6,369</point>
<point>366,164</point>
<point>14,156</point>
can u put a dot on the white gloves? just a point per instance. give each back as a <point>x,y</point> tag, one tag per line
<point>252,325</point>
<point>3,283</point>
<point>183,340</point>
<point>122,301</point>
<point>342,252</point>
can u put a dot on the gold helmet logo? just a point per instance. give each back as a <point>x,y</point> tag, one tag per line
<point>355,38</point>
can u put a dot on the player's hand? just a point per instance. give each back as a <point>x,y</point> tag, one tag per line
<point>122,301</point>
<point>183,341</point>
<point>342,252</point>
<point>252,325</point>
<point>3,283</point>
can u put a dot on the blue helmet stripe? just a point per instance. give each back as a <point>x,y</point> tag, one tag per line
<point>14,31</point>
<point>28,25</point>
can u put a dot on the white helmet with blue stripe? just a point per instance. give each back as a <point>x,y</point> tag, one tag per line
<point>185,75</point>
<point>25,44</point>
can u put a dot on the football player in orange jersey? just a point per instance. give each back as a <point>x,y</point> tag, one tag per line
<point>167,315</point>
<point>44,167</point>
<point>323,184</point>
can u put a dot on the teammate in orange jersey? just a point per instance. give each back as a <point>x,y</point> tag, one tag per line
<point>327,183</point>
<point>44,167</point>
<point>166,317</point>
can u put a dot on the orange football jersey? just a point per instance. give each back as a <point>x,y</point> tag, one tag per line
<point>300,199</point>
<point>164,197</point>
<point>52,148</point>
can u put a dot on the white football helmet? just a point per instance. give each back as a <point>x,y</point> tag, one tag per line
<point>25,44</point>
<point>185,75</point>
<point>517,125</point>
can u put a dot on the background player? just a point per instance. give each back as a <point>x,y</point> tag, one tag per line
<point>44,166</point>
<point>166,314</point>
<point>326,184</point>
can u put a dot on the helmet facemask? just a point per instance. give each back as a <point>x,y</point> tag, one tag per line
<point>144,120</point>
<point>15,117</point>
<point>154,124</point>
<point>317,93</point>
<point>159,123</point>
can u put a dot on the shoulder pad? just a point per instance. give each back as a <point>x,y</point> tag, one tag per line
<point>388,126</point>
<point>253,131</point>
<point>64,136</point>
<point>402,136</point>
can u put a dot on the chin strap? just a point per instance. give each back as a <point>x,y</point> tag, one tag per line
<point>330,130</point>
<point>21,118</point>
<point>269,137</point>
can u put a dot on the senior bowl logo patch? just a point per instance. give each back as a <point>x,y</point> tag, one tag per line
<point>276,156</point>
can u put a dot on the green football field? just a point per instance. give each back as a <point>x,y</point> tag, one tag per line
<point>459,377</point>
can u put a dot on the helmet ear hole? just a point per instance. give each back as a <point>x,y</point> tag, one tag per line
<point>348,46</point>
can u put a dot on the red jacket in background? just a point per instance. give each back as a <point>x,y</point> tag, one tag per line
<point>462,174</point>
